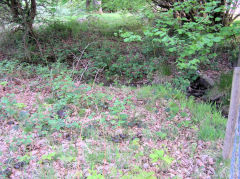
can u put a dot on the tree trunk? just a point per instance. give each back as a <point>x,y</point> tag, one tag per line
<point>23,14</point>
<point>88,4</point>
<point>238,63</point>
<point>98,6</point>
<point>232,116</point>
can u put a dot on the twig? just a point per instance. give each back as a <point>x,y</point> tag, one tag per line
<point>85,69</point>
<point>78,59</point>
<point>97,75</point>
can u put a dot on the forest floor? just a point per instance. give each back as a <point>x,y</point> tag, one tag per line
<point>52,127</point>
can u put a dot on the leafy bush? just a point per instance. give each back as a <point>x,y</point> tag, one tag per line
<point>191,43</point>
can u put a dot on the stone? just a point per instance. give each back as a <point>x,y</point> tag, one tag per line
<point>216,97</point>
<point>10,122</point>
<point>19,165</point>
<point>206,81</point>
<point>145,165</point>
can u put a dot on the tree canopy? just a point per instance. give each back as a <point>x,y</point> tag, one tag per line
<point>190,9</point>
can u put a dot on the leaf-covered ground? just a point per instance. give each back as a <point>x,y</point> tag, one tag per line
<point>52,127</point>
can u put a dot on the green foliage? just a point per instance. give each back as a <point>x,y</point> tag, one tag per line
<point>173,108</point>
<point>119,5</point>
<point>26,158</point>
<point>95,158</point>
<point>110,57</point>
<point>225,81</point>
<point>212,124</point>
<point>67,156</point>
<point>3,83</point>
<point>140,175</point>
<point>213,127</point>
<point>73,112</point>
<point>130,36</point>
<point>10,108</point>
<point>166,69</point>
<point>157,155</point>
<point>88,42</point>
<point>145,92</point>
<point>48,157</point>
<point>181,82</point>
<point>94,24</point>
<point>161,135</point>
<point>191,42</point>
<point>94,175</point>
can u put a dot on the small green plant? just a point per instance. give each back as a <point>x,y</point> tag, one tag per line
<point>183,114</point>
<point>184,124</point>
<point>165,69</point>
<point>95,157</point>
<point>68,156</point>
<point>26,158</point>
<point>135,142</point>
<point>95,175</point>
<point>3,83</point>
<point>116,111</point>
<point>9,107</point>
<point>48,157</point>
<point>173,110</point>
<point>24,141</point>
<point>145,92</point>
<point>157,155</point>
<point>162,135</point>
<point>130,36</point>
<point>20,105</point>
<point>181,82</point>
<point>138,173</point>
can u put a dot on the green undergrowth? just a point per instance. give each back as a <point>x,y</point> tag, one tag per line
<point>105,122</point>
<point>86,125</point>
<point>209,120</point>
<point>206,116</point>
<point>90,56</point>
<point>104,24</point>
<point>91,47</point>
<point>100,45</point>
